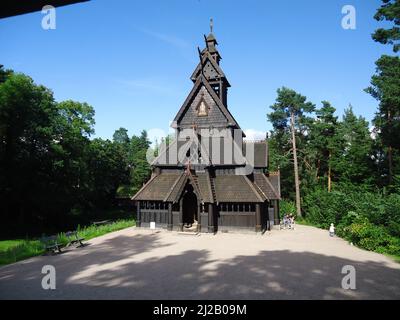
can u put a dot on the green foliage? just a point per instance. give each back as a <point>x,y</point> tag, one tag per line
<point>385,87</point>
<point>287,207</point>
<point>389,11</point>
<point>140,170</point>
<point>370,220</point>
<point>52,175</point>
<point>15,250</point>
<point>370,236</point>
<point>289,102</point>
<point>96,231</point>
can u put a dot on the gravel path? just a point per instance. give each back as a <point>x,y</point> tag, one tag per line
<point>143,264</point>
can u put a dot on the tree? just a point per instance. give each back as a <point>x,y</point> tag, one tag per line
<point>291,106</point>
<point>108,170</point>
<point>4,74</point>
<point>324,142</point>
<point>385,87</point>
<point>27,125</point>
<point>389,11</point>
<point>137,158</point>
<point>52,176</point>
<point>121,136</point>
<point>354,163</point>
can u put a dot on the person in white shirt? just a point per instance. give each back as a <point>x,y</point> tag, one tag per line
<point>331,230</point>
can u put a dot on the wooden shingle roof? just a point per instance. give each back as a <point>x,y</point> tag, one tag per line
<point>265,185</point>
<point>202,82</point>
<point>158,188</point>
<point>235,188</point>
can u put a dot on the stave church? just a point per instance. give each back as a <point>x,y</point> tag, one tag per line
<point>209,177</point>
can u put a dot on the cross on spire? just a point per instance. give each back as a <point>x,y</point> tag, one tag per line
<point>211,25</point>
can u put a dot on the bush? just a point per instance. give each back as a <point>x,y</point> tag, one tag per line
<point>287,206</point>
<point>367,219</point>
<point>370,236</point>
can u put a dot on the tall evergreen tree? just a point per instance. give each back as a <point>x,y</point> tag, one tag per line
<point>389,11</point>
<point>324,142</point>
<point>385,87</point>
<point>289,112</point>
<point>354,164</point>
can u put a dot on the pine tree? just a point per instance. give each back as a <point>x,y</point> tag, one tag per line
<point>324,141</point>
<point>289,114</point>
<point>385,87</point>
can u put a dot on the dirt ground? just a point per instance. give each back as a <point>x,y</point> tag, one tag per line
<point>143,264</point>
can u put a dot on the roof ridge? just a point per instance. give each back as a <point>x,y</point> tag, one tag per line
<point>252,188</point>
<point>195,186</point>
<point>258,188</point>
<point>173,186</point>
<point>220,104</point>
<point>270,184</point>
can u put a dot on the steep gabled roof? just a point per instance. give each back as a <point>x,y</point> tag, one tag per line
<point>207,56</point>
<point>201,81</point>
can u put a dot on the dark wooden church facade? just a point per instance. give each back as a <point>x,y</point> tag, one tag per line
<point>201,192</point>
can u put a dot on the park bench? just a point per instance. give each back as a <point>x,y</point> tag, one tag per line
<point>51,244</point>
<point>73,238</point>
<point>100,223</point>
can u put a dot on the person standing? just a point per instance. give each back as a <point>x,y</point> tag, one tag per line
<point>332,230</point>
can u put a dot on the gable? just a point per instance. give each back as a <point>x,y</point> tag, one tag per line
<point>211,69</point>
<point>194,114</point>
<point>216,108</point>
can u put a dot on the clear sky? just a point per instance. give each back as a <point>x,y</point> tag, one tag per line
<point>131,60</point>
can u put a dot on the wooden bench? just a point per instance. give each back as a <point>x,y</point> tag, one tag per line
<point>100,223</point>
<point>73,238</point>
<point>51,244</point>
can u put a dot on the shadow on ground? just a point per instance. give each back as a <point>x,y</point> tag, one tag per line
<point>139,267</point>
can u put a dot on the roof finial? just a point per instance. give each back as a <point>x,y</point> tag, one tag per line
<point>211,25</point>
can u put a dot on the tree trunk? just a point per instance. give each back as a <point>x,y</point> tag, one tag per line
<point>390,164</point>
<point>296,168</point>
<point>317,170</point>
<point>390,151</point>
<point>329,172</point>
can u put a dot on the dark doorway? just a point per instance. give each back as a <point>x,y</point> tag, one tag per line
<point>189,215</point>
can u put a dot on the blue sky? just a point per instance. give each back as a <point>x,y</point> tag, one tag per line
<point>131,60</point>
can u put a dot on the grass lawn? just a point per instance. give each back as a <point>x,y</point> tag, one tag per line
<point>19,249</point>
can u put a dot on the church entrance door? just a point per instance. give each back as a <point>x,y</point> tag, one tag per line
<point>189,215</point>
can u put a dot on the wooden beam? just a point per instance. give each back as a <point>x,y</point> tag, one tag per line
<point>169,218</point>
<point>276,213</point>
<point>138,216</point>
<point>258,217</point>
<point>181,214</point>
<point>198,216</point>
<point>211,227</point>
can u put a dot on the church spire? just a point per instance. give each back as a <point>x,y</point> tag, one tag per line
<point>211,43</point>
<point>209,67</point>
